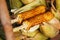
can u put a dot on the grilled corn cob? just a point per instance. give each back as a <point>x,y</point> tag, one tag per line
<point>28,14</point>
<point>37,20</point>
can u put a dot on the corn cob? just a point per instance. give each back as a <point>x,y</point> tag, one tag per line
<point>37,20</point>
<point>31,13</point>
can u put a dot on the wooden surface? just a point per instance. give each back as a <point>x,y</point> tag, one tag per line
<point>5,20</point>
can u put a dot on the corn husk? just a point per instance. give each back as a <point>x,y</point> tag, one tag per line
<point>48,30</point>
<point>17,35</point>
<point>29,34</point>
<point>27,1</point>
<point>30,6</point>
<point>56,13</point>
<point>14,4</point>
<point>40,36</point>
<point>58,4</point>
<point>55,22</point>
<point>0,38</point>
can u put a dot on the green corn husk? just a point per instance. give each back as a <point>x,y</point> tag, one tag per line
<point>15,4</point>
<point>27,1</point>
<point>58,4</point>
<point>56,13</point>
<point>49,30</point>
<point>30,34</point>
<point>40,36</point>
<point>30,6</point>
<point>0,38</point>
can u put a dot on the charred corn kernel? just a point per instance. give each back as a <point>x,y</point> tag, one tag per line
<point>31,13</point>
<point>38,19</point>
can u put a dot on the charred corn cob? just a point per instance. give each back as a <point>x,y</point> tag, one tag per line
<point>37,20</point>
<point>28,14</point>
